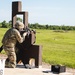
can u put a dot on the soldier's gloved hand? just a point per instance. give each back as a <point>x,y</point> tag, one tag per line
<point>24,34</point>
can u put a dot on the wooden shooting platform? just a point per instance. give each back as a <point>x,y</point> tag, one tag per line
<point>27,49</point>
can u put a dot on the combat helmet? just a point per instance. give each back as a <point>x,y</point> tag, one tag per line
<point>19,25</point>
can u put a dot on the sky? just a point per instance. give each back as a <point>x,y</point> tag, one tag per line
<point>51,12</point>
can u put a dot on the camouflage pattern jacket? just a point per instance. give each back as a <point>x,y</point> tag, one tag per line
<point>11,37</point>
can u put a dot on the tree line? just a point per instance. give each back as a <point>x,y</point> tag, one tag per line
<point>51,27</point>
<point>5,24</point>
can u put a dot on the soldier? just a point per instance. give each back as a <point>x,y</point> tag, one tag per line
<point>9,42</point>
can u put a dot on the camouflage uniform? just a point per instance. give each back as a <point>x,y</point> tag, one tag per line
<point>9,41</point>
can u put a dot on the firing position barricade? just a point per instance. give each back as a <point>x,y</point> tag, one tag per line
<point>27,49</point>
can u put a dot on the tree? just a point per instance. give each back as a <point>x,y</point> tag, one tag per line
<point>4,24</point>
<point>10,23</point>
<point>46,26</point>
<point>19,19</point>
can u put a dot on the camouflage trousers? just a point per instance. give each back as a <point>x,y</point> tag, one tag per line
<point>11,60</point>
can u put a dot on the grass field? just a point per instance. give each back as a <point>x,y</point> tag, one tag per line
<point>58,47</point>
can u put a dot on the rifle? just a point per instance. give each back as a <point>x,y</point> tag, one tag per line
<point>27,30</point>
<point>1,48</point>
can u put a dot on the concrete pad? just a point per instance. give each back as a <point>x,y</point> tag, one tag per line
<point>20,70</point>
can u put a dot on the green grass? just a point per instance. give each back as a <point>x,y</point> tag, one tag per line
<point>58,47</point>
<point>2,32</point>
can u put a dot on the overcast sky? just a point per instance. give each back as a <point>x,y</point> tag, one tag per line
<point>51,12</point>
